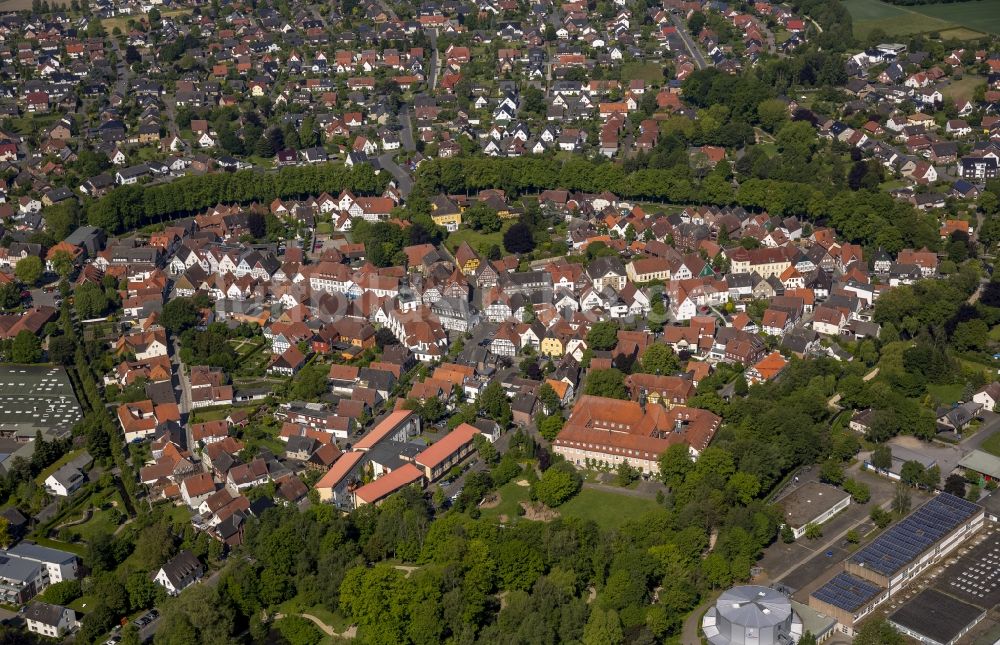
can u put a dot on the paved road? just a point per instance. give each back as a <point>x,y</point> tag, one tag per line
<point>692,48</point>
<point>184,403</point>
<point>403,179</point>
<point>433,78</point>
<point>406,134</point>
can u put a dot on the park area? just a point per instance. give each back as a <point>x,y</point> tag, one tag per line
<point>607,509</point>
<point>962,20</point>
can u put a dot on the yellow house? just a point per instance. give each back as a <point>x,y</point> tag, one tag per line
<point>551,346</point>
<point>467,259</point>
<point>446,213</point>
<point>450,221</point>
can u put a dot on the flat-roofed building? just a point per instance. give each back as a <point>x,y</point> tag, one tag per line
<point>893,559</point>
<point>812,503</point>
<point>936,618</point>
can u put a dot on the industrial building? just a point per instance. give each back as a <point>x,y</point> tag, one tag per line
<point>935,618</point>
<point>752,614</point>
<point>895,558</point>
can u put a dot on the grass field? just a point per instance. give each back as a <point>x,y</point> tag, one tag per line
<point>477,240</point>
<point>946,394</point>
<point>649,72</point>
<point>964,20</point>
<point>992,445</point>
<point>963,88</point>
<point>608,510</point>
<point>101,522</point>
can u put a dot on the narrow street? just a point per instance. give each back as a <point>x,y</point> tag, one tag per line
<point>402,178</point>
<point>184,400</point>
<point>435,59</point>
<point>689,43</point>
<point>406,134</point>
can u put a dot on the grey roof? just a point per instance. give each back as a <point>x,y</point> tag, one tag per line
<point>754,606</point>
<point>45,613</point>
<point>32,551</point>
<point>936,616</point>
<point>180,567</point>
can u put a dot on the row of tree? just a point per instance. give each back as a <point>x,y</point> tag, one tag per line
<point>129,207</point>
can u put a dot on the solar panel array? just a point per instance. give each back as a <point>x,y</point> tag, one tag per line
<point>847,592</point>
<point>917,532</point>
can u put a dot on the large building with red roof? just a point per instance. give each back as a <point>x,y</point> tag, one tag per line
<point>611,431</point>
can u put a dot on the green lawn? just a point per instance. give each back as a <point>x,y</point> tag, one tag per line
<point>333,619</point>
<point>946,394</point>
<point>964,88</point>
<point>511,496</point>
<point>477,240</point>
<point>992,444</point>
<point>975,15</point>
<point>652,73</point>
<point>101,522</point>
<point>608,510</point>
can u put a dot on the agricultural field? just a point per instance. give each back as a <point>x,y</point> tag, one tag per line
<point>963,20</point>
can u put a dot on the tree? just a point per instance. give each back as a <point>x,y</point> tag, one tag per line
<point>881,517</point>
<point>10,296</point>
<point>603,628</point>
<point>955,484</point>
<point>626,474</point>
<point>485,449</point>
<point>603,336</point>
<point>495,405</point>
<point>911,473</point>
<point>858,491</point>
<point>813,531</point>
<point>62,263</point>
<point>807,639</point>
<point>517,239</point>
<point>481,217</point>
<point>675,463</point>
<point>878,632</point>
<point>311,382</point>
<point>62,593</point>
<point>90,301</point>
<point>29,269</point>
<point>550,426</point>
<point>901,500</point>
<point>26,348</point>
<point>557,485</point>
<point>787,534</point>
<point>832,472</point>
<point>179,315</point>
<point>549,399</point>
<point>882,457</point>
<point>608,383</point>
<point>659,359</point>
<point>62,350</point>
